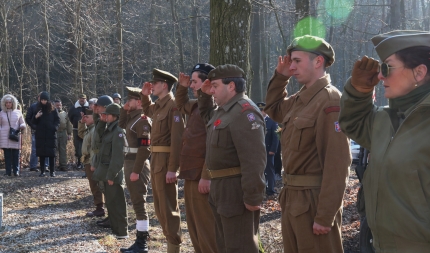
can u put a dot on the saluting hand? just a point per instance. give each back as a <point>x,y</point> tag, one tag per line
<point>284,64</point>
<point>206,87</point>
<point>204,186</point>
<point>184,80</point>
<point>252,208</point>
<point>126,106</point>
<point>320,230</point>
<point>134,177</point>
<point>365,74</point>
<point>147,88</point>
<point>170,177</point>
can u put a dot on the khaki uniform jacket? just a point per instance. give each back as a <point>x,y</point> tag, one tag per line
<point>235,138</point>
<point>192,162</point>
<point>312,143</point>
<point>137,129</point>
<point>167,126</point>
<point>65,123</point>
<point>110,159</point>
<point>397,181</point>
<point>87,152</point>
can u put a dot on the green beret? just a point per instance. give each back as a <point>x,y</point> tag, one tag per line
<point>226,71</point>
<point>389,43</point>
<point>313,44</point>
<point>133,92</point>
<point>112,109</point>
<point>164,76</point>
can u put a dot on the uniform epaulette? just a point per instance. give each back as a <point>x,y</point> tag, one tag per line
<point>246,105</point>
<point>332,109</point>
<point>333,93</point>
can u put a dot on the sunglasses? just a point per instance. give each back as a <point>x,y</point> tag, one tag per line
<point>384,68</point>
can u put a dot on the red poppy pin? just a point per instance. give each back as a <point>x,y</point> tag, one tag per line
<point>217,122</point>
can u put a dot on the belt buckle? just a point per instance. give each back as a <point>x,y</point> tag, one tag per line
<point>210,173</point>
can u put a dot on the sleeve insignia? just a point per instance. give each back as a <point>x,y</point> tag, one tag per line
<point>337,127</point>
<point>255,125</point>
<point>177,118</point>
<point>120,135</point>
<point>146,128</point>
<point>251,117</point>
<point>174,109</point>
<point>332,109</point>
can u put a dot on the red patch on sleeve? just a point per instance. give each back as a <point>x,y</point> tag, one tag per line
<point>174,109</point>
<point>332,109</point>
<point>144,117</point>
<point>246,106</point>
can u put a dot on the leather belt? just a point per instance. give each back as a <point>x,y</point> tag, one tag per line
<point>160,149</point>
<point>224,172</point>
<point>302,180</point>
<point>129,150</point>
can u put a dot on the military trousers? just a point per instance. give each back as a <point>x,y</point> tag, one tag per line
<point>95,190</point>
<point>117,208</point>
<point>200,220</point>
<point>165,199</point>
<point>62,148</point>
<point>236,226</point>
<point>137,189</point>
<point>77,143</point>
<point>299,208</point>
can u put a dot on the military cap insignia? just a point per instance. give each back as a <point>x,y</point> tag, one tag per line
<point>251,117</point>
<point>255,125</point>
<point>177,118</point>
<point>197,66</point>
<point>337,127</point>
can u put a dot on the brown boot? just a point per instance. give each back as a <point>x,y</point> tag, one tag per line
<point>172,248</point>
<point>99,212</point>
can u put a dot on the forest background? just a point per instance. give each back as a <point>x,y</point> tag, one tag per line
<point>97,47</point>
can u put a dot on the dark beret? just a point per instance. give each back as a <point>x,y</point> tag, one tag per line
<point>133,92</point>
<point>203,67</point>
<point>313,44</point>
<point>226,71</point>
<point>389,43</point>
<point>164,76</point>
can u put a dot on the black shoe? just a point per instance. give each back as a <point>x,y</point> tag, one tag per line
<point>7,174</point>
<point>105,224</point>
<point>99,212</point>
<point>140,245</point>
<point>16,174</point>
<point>34,169</point>
<point>42,174</point>
<point>84,176</point>
<point>102,221</point>
<point>52,174</point>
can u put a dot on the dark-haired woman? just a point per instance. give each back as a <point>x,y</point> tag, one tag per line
<point>47,122</point>
<point>397,182</point>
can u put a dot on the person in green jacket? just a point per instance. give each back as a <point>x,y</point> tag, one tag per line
<point>109,170</point>
<point>397,181</point>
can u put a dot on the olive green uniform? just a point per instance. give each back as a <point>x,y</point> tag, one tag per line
<point>235,142</point>
<point>166,141</point>
<point>396,182</point>
<point>109,166</point>
<point>63,132</point>
<point>137,129</point>
<point>316,160</point>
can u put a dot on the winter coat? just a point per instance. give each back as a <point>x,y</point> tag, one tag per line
<point>397,179</point>
<point>16,121</point>
<point>75,113</point>
<point>31,112</point>
<point>46,133</point>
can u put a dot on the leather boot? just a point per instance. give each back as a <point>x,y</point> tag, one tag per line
<point>140,245</point>
<point>105,224</point>
<point>99,212</point>
<point>172,248</point>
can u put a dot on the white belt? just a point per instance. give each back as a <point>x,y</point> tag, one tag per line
<point>129,150</point>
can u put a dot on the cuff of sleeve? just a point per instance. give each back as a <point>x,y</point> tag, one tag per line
<point>325,221</point>
<point>355,93</point>
<point>280,76</point>
<point>254,199</point>
<point>201,94</point>
<point>172,168</point>
<point>205,173</point>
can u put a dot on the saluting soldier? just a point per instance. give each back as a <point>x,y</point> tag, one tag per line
<point>200,221</point>
<point>109,170</point>
<point>235,157</point>
<point>315,152</point>
<point>166,142</point>
<point>136,165</point>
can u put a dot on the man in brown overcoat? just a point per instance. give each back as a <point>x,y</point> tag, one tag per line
<point>315,152</point>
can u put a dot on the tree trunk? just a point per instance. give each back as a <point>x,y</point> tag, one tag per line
<point>396,17</point>
<point>4,67</point>
<point>47,53</point>
<point>256,90</point>
<point>120,47</point>
<point>177,29</point>
<point>229,37</point>
<point>195,51</point>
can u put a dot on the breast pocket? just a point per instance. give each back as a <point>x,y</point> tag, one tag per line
<point>159,123</point>
<point>303,133</point>
<point>221,137</point>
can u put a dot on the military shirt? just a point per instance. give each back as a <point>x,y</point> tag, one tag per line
<point>167,126</point>
<point>311,139</point>
<point>64,123</point>
<point>137,129</point>
<point>87,153</point>
<point>235,138</point>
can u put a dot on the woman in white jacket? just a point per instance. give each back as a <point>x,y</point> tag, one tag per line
<point>10,117</point>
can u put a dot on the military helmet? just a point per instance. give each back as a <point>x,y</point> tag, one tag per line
<point>112,109</point>
<point>116,95</point>
<point>104,100</point>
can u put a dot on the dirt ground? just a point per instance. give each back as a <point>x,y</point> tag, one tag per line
<point>48,215</point>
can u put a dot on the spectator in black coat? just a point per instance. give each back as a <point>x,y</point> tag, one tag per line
<point>75,114</point>
<point>47,122</point>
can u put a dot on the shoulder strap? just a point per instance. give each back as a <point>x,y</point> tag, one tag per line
<point>7,118</point>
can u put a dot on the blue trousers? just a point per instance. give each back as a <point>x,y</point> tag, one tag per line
<point>270,175</point>
<point>11,160</point>
<point>33,156</point>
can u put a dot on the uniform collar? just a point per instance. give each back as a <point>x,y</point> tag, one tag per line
<point>233,101</point>
<point>163,101</point>
<point>306,94</point>
<point>112,125</point>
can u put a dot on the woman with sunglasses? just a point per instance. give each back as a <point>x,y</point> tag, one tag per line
<point>397,181</point>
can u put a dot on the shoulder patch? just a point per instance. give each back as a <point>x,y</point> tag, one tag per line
<point>332,109</point>
<point>246,106</point>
